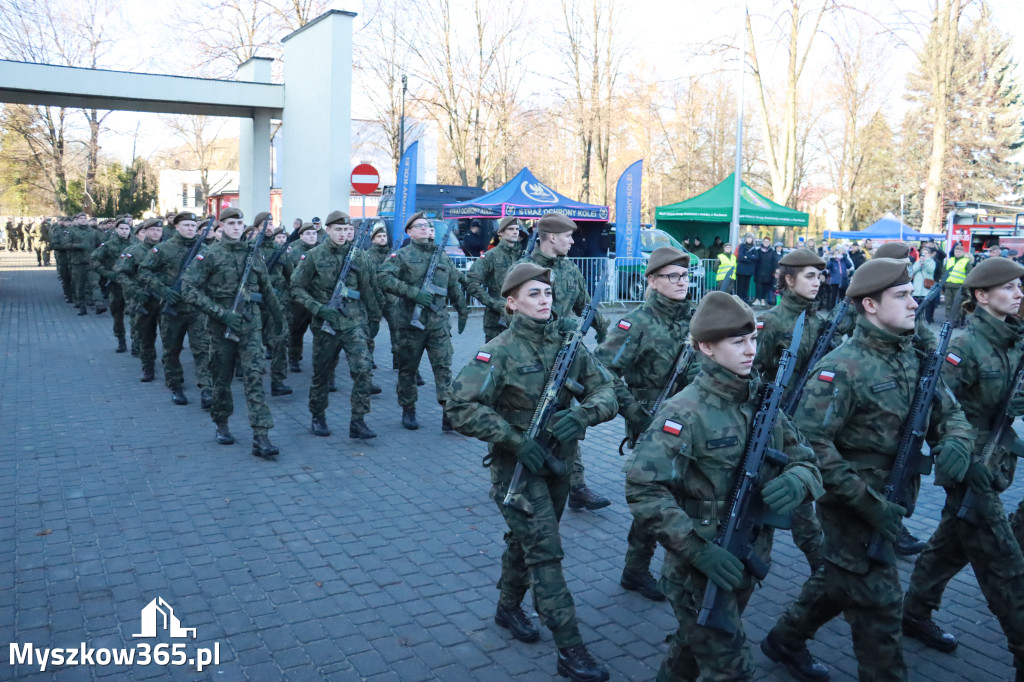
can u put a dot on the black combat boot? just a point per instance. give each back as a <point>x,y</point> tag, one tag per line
<point>409,418</point>
<point>83,310</point>
<point>644,583</point>
<point>446,425</point>
<point>122,347</point>
<point>797,660</point>
<point>206,398</point>
<point>319,427</point>
<point>280,389</point>
<point>100,308</point>
<point>293,366</point>
<point>147,375</point>
<point>577,664</point>
<point>584,498</point>
<point>515,620</point>
<point>375,389</point>
<point>224,436</point>
<point>419,380</point>
<point>135,351</point>
<point>926,631</point>
<point>908,545</point>
<point>262,447</point>
<point>178,396</point>
<point>357,428</point>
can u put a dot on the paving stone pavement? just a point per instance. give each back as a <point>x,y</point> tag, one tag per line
<point>343,560</point>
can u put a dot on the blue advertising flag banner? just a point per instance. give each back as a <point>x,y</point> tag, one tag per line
<point>405,192</point>
<point>627,213</point>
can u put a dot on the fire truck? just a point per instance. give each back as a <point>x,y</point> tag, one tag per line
<point>977,225</point>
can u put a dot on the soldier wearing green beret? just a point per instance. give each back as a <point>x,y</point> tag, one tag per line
<point>851,413</point>
<point>82,241</point>
<point>103,259</point>
<point>378,253</point>
<point>300,318</point>
<point>60,240</point>
<point>641,350</point>
<point>979,370</point>
<point>276,242</point>
<point>146,306</point>
<point>488,273</point>
<point>681,474</point>
<point>493,399</point>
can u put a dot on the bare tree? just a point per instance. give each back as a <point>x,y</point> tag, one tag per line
<point>204,152</point>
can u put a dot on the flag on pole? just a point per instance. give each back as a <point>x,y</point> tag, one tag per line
<point>405,192</point>
<point>627,212</point>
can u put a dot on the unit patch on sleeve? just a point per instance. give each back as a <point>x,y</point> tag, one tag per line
<point>483,357</point>
<point>624,324</point>
<point>953,359</point>
<point>826,376</point>
<point>672,427</point>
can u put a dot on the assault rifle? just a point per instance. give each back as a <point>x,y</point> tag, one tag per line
<point>189,257</point>
<point>278,253</point>
<point>428,280</point>
<point>681,365</point>
<point>1000,426</point>
<point>746,513</point>
<point>552,400</point>
<point>531,243</point>
<point>729,281</point>
<point>821,348</point>
<point>243,296</point>
<point>341,290</point>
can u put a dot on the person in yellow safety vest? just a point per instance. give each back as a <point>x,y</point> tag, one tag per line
<point>957,267</point>
<point>726,273</point>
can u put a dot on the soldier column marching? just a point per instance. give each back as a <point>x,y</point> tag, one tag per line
<point>103,260</point>
<point>378,253</point>
<point>488,273</point>
<point>300,318</point>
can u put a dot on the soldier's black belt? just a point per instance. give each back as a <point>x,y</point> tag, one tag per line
<point>706,511</point>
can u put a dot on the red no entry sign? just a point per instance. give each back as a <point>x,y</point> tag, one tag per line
<point>365,179</point>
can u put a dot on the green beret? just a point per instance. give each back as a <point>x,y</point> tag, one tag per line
<point>555,222</point>
<point>877,275</point>
<point>666,255</point>
<point>802,258</point>
<point>379,227</point>
<point>505,222</point>
<point>229,213</point>
<point>993,272</point>
<point>337,218</point>
<point>152,222</point>
<point>413,218</point>
<point>184,215</point>
<point>524,272</point>
<point>277,231</point>
<point>893,250</point>
<point>260,217</point>
<point>719,316</point>
<point>125,219</point>
<point>306,227</point>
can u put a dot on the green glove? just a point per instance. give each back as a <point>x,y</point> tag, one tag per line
<point>531,454</point>
<point>784,493</point>
<point>953,458</point>
<point>463,319</point>
<point>567,324</point>
<point>567,426</point>
<point>423,298</point>
<point>232,319</point>
<point>720,566</point>
<point>600,335</point>
<point>1016,406</point>
<point>638,418</point>
<point>172,296</point>
<point>330,315</point>
<point>885,517</point>
<point>979,477</point>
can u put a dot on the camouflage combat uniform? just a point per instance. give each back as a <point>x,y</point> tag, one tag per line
<point>979,368</point>
<point>83,241</point>
<point>211,284</point>
<point>377,254</point>
<point>157,273</point>
<point>279,278</point>
<point>485,279</point>
<point>104,259</point>
<point>60,240</point>
<point>641,349</point>
<point>300,318</point>
<point>312,284</point>
<point>493,398</point>
<point>44,241</point>
<point>852,409</point>
<point>146,306</point>
<point>677,483</point>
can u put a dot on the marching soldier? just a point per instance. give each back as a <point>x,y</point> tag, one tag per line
<point>312,285</point>
<point>83,241</point>
<point>851,412</point>
<point>147,306</point>
<point>60,240</point>
<point>44,240</point>
<point>493,399</point>
<point>275,253</point>
<point>157,273</point>
<point>488,273</point>
<point>570,291</point>
<point>378,253</point>
<point>641,349</point>
<point>681,474</point>
<point>979,369</point>
<point>211,284</point>
<point>403,276</point>
<point>300,317</point>
<point>103,260</point>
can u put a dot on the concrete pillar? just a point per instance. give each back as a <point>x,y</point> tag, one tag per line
<point>317,125</point>
<point>254,146</point>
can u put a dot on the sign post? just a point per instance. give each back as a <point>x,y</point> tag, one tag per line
<point>365,180</point>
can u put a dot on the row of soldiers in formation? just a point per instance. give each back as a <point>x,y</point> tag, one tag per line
<point>27,234</point>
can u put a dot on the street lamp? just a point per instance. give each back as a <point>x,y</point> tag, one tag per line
<point>401,128</point>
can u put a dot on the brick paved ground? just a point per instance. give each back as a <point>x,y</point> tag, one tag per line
<point>343,560</point>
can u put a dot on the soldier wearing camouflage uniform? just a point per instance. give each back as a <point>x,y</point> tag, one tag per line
<point>799,280</point>
<point>274,250</point>
<point>83,241</point>
<point>641,349</point>
<point>979,370</point>
<point>851,412</point>
<point>378,253</point>
<point>300,317</point>
<point>570,289</point>
<point>60,240</point>
<point>44,240</point>
<point>157,273</point>
<point>211,284</point>
<point>103,260</point>
<point>147,306</point>
<point>488,273</point>
<point>403,275</point>
<point>493,399</point>
<point>312,285</point>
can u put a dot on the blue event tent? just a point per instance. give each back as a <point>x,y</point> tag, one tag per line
<point>888,227</point>
<point>524,196</point>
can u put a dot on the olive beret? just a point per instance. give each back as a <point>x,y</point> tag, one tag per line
<point>337,218</point>
<point>877,275</point>
<point>125,219</point>
<point>524,272</point>
<point>260,217</point>
<point>277,231</point>
<point>993,272</point>
<point>893,250</point>
<point>719,316</point>
<point>802,258</point>
<point>555,222</point>
<point>666,255</point>
<point>184,215</point>
<point>146,224</point>
<point>229,213</point>
<point>413,218</point>
<point>306,227</point>
<point>379,227</point>
<point>505,222</point>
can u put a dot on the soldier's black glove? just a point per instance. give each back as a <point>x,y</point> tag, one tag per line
<point>172,296</point>
<point>567,425</point>
<point>423,298</point>
<point>784,493</point>
<point>331,315</point>
<point>639,420</point>
<point>953,458</point>
<point>232,319</point>
<point>463,319</point>
<point>885,516</point>
<point>1016,406</point>
<point>720,566</point>
<point>979,477</point>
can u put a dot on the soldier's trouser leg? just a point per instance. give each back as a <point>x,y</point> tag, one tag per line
<point>199,344</point>
<point>640,548</point>
<point>279,361</point>
<point>578,480</point>
<point>696,649</point>
<point>146,326</point>
<point>1017,523</point>
<point>541,546</point>
<point>64,272</point>
<point>326,349</point>
<point>439,352</point>
<point>301,319</point>
<point>39,255</point>
<point>172,336</point>
<point>80,284</point>
<point>248,353</point>
<point>46,256</point>
<point>409,352</point>
<point>357,353</point>
<point>371,333</point>
<point>807,534</point>
<point>117,309</point>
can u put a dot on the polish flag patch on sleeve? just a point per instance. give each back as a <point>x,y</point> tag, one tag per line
<point>155,250</point>
<point>826,376</point>
<point>302,257</point>
<point>672,427</point>
<point>953,359</point>
<point>483,357</point>
<point>199,256</point>
<point>624,324</point>
<point>760,325</point>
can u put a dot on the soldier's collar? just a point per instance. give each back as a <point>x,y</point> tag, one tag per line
<point>881,340</point>
<point>546,261</point>
<point>532,329</point>
<point>729,387</point>
<point>666,307</point>
<point>794,303</point>
<point>1002,334</point>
